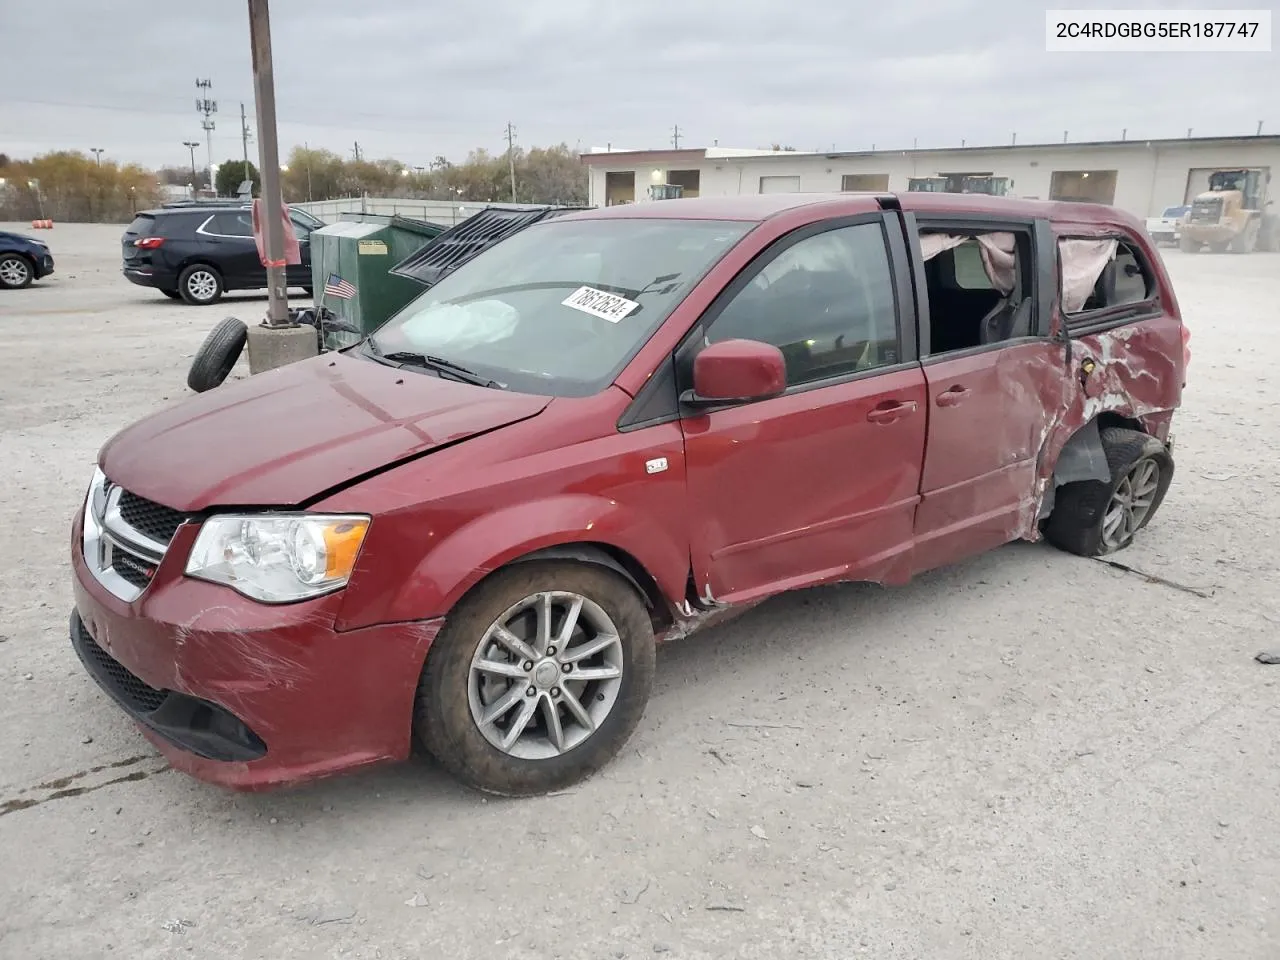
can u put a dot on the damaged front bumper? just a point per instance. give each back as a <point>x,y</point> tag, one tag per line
<point>244,694</point>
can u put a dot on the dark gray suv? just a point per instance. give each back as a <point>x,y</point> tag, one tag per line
<point>198,252</point>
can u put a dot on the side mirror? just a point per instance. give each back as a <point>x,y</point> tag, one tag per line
<point>736,371</point>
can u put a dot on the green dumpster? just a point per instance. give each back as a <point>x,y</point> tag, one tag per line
<point>350,264</point>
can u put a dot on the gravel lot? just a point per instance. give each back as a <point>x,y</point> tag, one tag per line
<point>1029,755</point>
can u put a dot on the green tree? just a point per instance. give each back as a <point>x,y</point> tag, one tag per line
<point>233,173</point>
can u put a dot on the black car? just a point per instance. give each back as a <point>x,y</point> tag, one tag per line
<point>23,259</point>
<point>197,252</point>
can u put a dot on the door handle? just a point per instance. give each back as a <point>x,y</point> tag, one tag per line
<point>891,411</point>
<point>949,398</point>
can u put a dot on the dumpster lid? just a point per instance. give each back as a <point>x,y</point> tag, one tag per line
<point>463,241</point>
<point>350,228</point>
<point>423,228</point>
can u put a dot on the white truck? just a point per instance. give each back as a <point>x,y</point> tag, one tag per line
<point>1166,228</point>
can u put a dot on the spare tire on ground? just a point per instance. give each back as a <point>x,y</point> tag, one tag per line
<point>217,355</point>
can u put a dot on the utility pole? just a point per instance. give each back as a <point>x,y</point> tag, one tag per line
<point>264,91</point>
<point>306,148</point>
<point>675,136</point>
<point>356,152</point>
<point>97,154</point>
<point>511,158</point>
<point>244,140</point>
<point>207,108</point>
<point>1259,133</point>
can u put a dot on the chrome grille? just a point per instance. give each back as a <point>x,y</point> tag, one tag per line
<point>125,537</point>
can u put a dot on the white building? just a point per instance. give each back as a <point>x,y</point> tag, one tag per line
<point>1140,176</point>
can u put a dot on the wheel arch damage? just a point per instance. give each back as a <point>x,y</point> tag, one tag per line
<point>616,537</point>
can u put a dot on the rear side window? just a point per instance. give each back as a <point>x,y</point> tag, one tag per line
<point>141,226</point>
<point>1101,275</point>
<point>230,223</point>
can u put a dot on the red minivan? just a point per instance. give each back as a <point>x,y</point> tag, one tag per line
<point>472,528</point>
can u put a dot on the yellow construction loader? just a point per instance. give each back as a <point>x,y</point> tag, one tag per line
<point>1234,214</point>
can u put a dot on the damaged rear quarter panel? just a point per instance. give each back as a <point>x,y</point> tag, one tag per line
<point>1137,369</point>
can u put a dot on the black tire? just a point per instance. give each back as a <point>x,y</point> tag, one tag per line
<point>16,271</point>
<point>1246,239</point>
<point>443,723</point>
<point>1187,245</point>
<point>172,294</point>
<point>1076,522</point>
<point>218,354</point>
<point>200,285</point>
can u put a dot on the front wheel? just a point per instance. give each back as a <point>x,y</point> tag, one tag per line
<point>537,679</point>
<point>1092,518</point>
<point>15,271</point>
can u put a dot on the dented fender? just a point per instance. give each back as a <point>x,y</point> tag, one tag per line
<point>471,552</point>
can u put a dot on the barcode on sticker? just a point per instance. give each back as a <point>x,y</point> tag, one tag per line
<point>606,306</point>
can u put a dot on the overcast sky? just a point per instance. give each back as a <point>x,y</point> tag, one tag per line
<point>416,79</point>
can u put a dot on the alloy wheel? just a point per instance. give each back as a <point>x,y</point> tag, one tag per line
<point>14,271</point>
<point>202,285</point>
<point>1131,503</point>
<point>545,675</point>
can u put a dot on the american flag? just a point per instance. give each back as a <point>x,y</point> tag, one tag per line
<point>335,286</point>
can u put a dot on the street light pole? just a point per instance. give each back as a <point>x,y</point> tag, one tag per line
<point>269,160</point>
<point>97,153</point>
<point>191,145</point>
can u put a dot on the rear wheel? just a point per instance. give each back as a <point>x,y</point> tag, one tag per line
<point>15,271</point>
<point>200,285</point>
<point>538,678</point>
<point>1093,518</point>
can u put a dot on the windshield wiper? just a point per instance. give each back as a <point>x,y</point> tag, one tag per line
<point>440,365</point>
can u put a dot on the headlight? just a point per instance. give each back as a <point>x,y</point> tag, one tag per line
<point>278,558</point>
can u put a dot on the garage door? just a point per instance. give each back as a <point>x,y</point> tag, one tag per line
<point>1087,186</point>
<point>1197,182</point>
<point>779,184</point>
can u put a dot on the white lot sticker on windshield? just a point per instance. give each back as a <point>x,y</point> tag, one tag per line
<point>606,306</point>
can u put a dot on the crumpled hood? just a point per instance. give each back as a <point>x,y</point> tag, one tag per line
<point>282,437</point>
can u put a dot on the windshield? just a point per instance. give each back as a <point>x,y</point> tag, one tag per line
<point>1221,181</point>
<point>560,307</point>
